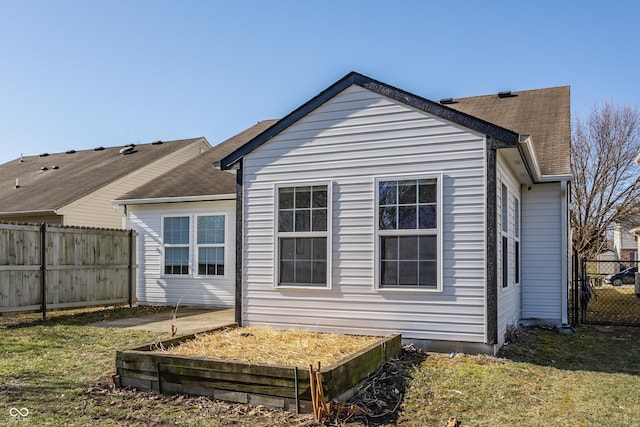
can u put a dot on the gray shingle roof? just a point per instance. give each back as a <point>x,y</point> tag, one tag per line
<point>199,176</point>
<point>544,114</point>
<point>49,182</point>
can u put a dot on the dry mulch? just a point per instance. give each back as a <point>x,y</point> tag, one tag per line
<point>269,346</point>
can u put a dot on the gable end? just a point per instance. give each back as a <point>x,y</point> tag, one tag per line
<point>507,138</point>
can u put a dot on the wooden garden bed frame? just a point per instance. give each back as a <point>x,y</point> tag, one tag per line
<point>283,387</point>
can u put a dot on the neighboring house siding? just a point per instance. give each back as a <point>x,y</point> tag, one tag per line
<point>625,243</point>
<point>508,297</point>
<point>542,257</point>
<point>349,141</point>
<point>153,287</point>
<point>96,209</point>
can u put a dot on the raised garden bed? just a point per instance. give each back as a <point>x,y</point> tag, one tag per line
<point>284,387</point>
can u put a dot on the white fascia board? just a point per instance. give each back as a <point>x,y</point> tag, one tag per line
<point>529,155</point>
<point>206,198</point>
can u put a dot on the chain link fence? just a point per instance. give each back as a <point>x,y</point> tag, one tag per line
<point>606,292</point>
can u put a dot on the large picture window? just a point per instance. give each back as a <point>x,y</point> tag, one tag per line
<point>302,217</point>
<point>203,238</point>
<point>408,218</point>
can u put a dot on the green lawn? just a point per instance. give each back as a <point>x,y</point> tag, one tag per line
<point>61,372</point>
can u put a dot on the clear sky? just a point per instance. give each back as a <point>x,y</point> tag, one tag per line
<point>77,74</point>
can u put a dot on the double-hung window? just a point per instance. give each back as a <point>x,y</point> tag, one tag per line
<point>504,228</point>
<point>189,241</point>
<point>210,244</point>
<point>176,232</point>
<point>408,233</point>
<point>302,237</point>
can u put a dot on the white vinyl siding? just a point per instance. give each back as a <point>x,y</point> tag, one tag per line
<point>153,286</point>
<point>353,139</point>
<point>542,253</point>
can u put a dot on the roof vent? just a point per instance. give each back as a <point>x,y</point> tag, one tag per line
<point>506,94</point>
<point>98,149</point>
<point>445,101</point>
<point>44,168</point>
<point>128,149</point>
<point>44,154</point>
<point>17,182</point>
<point>70,151</point>
<point>55,167</point>
<point>158,142</point>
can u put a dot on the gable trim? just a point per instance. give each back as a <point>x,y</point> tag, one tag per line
<point>502,136</point>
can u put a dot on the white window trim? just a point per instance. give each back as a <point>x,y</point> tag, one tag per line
<point>165,245</point>
<point>277,235</point>
<point>193,246</point>
<point>439,177</point>
<point>196,247</point>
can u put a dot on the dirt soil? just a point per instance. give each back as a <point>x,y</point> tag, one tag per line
<point>375,403</point>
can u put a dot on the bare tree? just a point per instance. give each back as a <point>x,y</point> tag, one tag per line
<point>606,185</point>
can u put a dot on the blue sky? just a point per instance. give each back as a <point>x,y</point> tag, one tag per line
<point>82,74</point>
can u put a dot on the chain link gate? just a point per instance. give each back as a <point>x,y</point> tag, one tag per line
<point>605,292</point>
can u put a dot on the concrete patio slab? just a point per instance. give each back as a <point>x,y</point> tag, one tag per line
<point>187,320</point>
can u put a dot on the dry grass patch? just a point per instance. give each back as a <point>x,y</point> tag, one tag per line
<point>268,346</point>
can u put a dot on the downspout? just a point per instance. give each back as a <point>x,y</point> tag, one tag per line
<point>239,239</point>
<point>564,263</point>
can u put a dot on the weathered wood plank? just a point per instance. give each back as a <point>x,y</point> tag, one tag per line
<point>84,266</point>
<point>205,376</point>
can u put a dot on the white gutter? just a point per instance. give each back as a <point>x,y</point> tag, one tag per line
<point>180,199</point>
<point>529,154</point>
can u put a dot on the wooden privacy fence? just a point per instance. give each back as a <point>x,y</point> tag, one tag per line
<point>49,267</point>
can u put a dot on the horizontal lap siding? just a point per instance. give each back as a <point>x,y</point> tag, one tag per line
<point>350,140</point>
<point>541,253</point>
<point>155,288</point>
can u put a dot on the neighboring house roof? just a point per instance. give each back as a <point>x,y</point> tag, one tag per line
<point>51,181</point>
<point>199,176</point>
<point>542,114</point>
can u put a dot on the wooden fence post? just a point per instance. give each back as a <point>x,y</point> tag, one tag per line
<point>43,269</point>
<point>131,267</point>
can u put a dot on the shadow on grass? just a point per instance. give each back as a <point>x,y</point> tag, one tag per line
<point>77,317</point>
<point>610,349</point>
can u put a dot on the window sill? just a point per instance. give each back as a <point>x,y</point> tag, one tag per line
<point>415,289</point>
<point>302,288</point>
